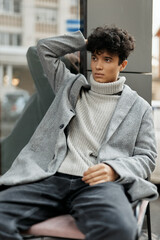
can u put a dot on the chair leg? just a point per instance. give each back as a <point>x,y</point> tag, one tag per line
<point>149,222</point>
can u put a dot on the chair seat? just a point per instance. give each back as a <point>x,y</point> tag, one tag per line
<point>62,226</point>
<point>65,227</point>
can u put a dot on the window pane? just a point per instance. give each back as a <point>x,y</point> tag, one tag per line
<point>7,5</point>
<point>10,39</point>
<point>1,5</point>
<point>17,6</point>
<point>46,15</point>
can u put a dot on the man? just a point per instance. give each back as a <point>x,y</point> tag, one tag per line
<point>92,151</point>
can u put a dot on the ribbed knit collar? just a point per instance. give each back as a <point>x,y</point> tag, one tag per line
<point>107,88</point>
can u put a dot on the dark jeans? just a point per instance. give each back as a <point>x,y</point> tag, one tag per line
<point>102,212</point>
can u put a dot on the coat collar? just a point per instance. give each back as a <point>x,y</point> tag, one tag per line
<point>126,101</point>
<point>76,87</point>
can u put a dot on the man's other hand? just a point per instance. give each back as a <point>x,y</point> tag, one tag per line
<point>99,173</point>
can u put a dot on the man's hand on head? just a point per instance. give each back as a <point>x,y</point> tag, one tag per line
<point>99,173</point>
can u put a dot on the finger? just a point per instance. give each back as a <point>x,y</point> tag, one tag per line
<point>98,182</point>
<point>94,174</point>
<point>95,171</point>
<point>97,179</point>
<point>93,168</point>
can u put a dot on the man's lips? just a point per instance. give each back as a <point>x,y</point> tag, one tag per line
<point>99,74</point>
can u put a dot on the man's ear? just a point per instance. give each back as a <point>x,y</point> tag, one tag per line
<point>123,65</point>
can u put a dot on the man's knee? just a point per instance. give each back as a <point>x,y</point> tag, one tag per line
<point>126,227</point>
<point>8,228</point>
<point>114,227</point>
<point>121,228</point>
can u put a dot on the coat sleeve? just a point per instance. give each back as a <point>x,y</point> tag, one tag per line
<point>51,49</point>
<point>142,161</point>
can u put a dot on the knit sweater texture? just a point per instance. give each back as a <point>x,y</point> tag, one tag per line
<point>94,110</point>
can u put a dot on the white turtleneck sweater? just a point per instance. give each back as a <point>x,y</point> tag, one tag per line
<point>94,110</point>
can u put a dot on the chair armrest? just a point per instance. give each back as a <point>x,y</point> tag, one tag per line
<point>139,212</point>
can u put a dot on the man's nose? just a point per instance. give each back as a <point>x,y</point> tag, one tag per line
<point>99,65</point>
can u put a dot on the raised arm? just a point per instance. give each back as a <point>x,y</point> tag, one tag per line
<point>51,49</point>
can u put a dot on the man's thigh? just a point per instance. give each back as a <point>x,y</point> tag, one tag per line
<point>103,210</point>
<point>31,203</point>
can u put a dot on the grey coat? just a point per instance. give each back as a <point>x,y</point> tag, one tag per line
<point>129,143</point>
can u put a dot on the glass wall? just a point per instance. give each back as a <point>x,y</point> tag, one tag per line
<point>22,24</point>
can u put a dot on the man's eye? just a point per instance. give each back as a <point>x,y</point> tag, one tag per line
<point>93,58</point>
<point>107,60</point>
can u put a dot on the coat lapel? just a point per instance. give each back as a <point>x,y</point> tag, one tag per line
<point>75,89</point>
<point>125,102</point>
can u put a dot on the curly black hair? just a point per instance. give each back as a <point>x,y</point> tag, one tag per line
<point>112,39</point>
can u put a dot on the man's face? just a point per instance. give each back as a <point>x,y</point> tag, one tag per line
<point>105,67</point>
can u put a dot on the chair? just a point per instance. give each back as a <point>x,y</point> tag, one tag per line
<point>34,110</point>
<point>143,209</point>
<point>64,227</point>
<point>31,115</point>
